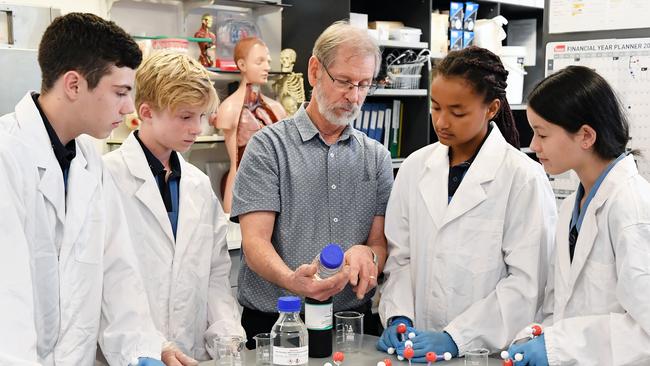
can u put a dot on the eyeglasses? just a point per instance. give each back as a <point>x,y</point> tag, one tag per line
<point>346,86</point>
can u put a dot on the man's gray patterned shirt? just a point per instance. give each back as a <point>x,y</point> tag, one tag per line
<point>322,194</point>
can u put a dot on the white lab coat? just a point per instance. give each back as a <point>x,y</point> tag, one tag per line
<point>475,267</point>
<point>52,301</point>
<point>598,306</point>
<point>187,279</point>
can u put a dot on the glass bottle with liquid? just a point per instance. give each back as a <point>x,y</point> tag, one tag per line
<point>289,338</point>
<point>318,314</point>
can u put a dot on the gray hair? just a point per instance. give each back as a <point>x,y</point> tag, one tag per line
<point>341,33</point>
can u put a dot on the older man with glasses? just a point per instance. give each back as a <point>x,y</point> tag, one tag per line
<point>310,180</point>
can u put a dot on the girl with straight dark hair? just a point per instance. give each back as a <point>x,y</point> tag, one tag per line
<point>596,310</point>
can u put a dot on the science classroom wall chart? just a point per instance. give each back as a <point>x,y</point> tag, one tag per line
<point>592,15</point>
<point>625,64</point>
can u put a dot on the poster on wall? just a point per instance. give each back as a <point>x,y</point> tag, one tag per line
<point>567,16</point>
<point>625,64</point>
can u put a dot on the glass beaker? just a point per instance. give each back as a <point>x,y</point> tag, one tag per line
<point>477,357</point>
<point>230,350</point>
<point>263,349</point>
<point>349,331</point>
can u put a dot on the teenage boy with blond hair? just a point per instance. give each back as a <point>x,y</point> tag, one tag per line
<point>173,214</point>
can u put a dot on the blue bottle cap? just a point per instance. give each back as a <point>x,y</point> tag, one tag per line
<point>331,256</point>
<point>289,304</point>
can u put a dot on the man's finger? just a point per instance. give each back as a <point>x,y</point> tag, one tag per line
<point>354,274</point>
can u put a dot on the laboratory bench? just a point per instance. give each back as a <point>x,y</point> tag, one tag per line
<point>367,356</point>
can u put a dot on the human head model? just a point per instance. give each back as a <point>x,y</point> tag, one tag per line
<point>252,58</point>
<point>206,20</point>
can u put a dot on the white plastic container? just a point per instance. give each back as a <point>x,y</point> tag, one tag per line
<point>488,33</point>
<point>406,34</point>
<point>439,34</point>
<point>512,58</point>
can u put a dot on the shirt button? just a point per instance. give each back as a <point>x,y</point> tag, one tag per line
<point>331,155</point>
<point>455,179</point>
<point>333,186</point>
<point>336,219</point>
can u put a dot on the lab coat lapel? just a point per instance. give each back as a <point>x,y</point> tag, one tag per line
<point>189,210</point>
<point>589,229</point>
<point>82,184</point>
<point>471,191</point>
<point>51,178</point>
<point>435,174</point>
<point>148,192</point>
<point>585,242</point>
<point>563,262</point>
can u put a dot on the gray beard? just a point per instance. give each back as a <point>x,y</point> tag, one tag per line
<point>330,115</point>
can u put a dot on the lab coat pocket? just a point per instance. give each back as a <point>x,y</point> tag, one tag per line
<point>600,286</point>
<point>481,243</point>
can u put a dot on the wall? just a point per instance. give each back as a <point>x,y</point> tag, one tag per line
<point>99,7</point>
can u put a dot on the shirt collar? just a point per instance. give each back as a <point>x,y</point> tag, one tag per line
<point>308,130</point>
<point>64,154</point>
<point>466,164</point>
<point>578,215</point>
<point>155,165</point>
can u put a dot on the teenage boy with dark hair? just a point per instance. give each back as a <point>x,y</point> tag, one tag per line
<point>68,277</point>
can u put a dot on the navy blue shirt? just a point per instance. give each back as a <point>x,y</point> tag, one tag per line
<point>63,154</point>
<point>159,172</point>
<point>457,172</point>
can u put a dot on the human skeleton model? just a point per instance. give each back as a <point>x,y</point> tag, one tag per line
<point>290,88</point>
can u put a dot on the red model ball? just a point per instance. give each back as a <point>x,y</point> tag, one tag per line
<point>338,357</point>
<point>401,328</point>
<point>409,353</point>
<point>431,357</point>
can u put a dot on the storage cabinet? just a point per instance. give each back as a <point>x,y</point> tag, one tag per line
<point>516,10</point>
<point>317,15</point>
<point>305,20</point>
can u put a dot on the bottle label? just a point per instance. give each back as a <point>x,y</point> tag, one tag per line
<point>290,356</point>
<point>318,316</point>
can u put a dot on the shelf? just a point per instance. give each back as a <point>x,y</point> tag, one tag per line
<point>226,75</point>
<point>249,4</point>
<point>199,140</point>
<point>518,107</point>
<point>236,72</point>
<point>261,7</point>
<point>399,44</point>
<point>189,39</point>
<point>400,93</point>
<point>396,162</point>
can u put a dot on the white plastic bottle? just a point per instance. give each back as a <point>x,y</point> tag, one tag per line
<point>289,337</point>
